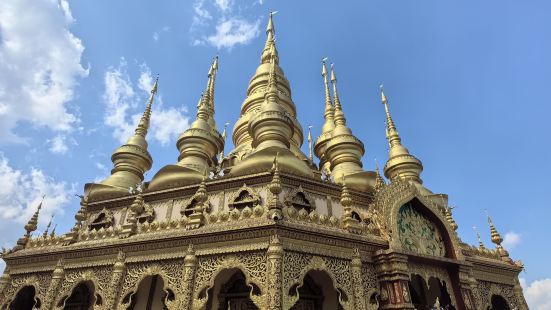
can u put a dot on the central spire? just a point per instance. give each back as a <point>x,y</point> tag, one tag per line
<point>328,125</point>
<point>268,75</point>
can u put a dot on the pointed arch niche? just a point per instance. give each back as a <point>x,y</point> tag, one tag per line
<point>244,197</point>
<point>82,297</point>
<point>317,292</point>
<point>299,199</point>
<point>25,299</point>
<point>231,290</point>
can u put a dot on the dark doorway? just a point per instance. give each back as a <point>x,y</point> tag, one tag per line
<point>82,297</point>
<point>424,296</point>
<point>25,299</point>
<point>499,303</point>
<point>231,292</point>
<point>316,292</point>
<point>149,295</point>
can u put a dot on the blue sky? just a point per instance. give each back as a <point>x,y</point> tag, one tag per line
<point>467,83</point>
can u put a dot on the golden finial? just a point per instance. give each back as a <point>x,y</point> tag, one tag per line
<point>379,181</point>
<point>311,155</point>
<point>329,113</point>
<point>391,133</point>
<point>496,237</point>
<point>224,134</point>
<point>339,114</point>
<point>143,125</point>
<point>45,233</point>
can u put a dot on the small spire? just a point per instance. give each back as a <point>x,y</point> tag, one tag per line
<point>346,200</point>
<point>311,155</point>
<point>379,181</point>
<point>496,237</point>
<point>209,92</point>
<point>391,132</point>
<point>45,234</point>
<point>480,243</point>
<point>143,125</point>
<point>339,114</point>
<point>52,234</point>
<point>329,113</point>
<point>224,134</point>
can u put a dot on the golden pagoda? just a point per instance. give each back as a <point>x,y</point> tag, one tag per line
<point>262,226</point>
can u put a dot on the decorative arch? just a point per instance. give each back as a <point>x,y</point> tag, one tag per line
<point>503,291</point>
<point>98,278</point>
<point>17,285</point>
<point>388,203</point>
<point>154,270</point>
<point>244,197</point>
<point>168,296</point>
<point>307,279</point>
<point>201,293</point>
<point>90,297</point>
<point>317,263</point>
<point>104,219</point>
<point>148,215</point>
<point>299,199</point>
<point>498,302</point>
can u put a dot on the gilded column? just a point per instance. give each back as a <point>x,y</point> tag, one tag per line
<point>359,292</point>
<point>275,274</point>
<point>55,283</point>
<point>119,270</point>
<point>4,282</point>
<point>392,275</point>
<point>190,267</point>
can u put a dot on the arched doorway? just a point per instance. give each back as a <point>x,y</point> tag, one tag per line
<point>499,303</point>
<point>316,292</point>
<point>81,298</point>
<point>25,299</point>
<point>231,292</point>
<point>424,297</point>
<point>150,294</point>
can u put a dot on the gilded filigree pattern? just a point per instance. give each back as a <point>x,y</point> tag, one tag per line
<point>485,290</point>
<point>39,281</point>
<point>99,276</point>
<point>418,234</point>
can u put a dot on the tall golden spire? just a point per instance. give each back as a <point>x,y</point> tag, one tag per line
<point>400,162</point>
<point>339,114</point>
<point>328,125</point>
<point>344,150</point>
<point>130,160</point>
<point>497,240</point>
<point>31,226</point>
<point>199,145</point>
<point>258,84</point>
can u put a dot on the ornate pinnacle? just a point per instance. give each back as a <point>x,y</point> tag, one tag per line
<point>80,216</point>
<point>339,114</point>
<point>379,181</point>
<point>52,234</point>
<point>267,53</point>
<point>32,225</point>
<point>496,237</point>
<point>391,132</point>
<point>449,218</point>
<point>275,184</point>
<point>209,92</point>
<point>224,134</point>
<point>346,200</point>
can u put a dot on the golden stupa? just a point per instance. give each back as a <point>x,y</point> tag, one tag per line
<point>263,226</point>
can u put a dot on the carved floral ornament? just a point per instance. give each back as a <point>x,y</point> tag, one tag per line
<point>418,234</point>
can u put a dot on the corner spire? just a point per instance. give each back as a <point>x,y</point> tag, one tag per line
<point>31,226</point>
<point>130,160</point>
<point>209,92</point>
<point>45,233</point>
<point>400,162</point>
<point>497,240</point>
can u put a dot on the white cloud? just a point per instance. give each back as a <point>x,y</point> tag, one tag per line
<point>537,294</point>
<point>125,103</point>
<point>40,61</point>
<point>232,32</point>
<point>511,240</point>
<point>157,34</point>
<point>221,24</point>
<point>20,194</point>
<point>59,145</point>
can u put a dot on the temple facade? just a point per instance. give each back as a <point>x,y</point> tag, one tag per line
<point>262,226</point>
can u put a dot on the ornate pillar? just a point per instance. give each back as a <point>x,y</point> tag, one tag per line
<point>275,274</point>
<point>357,283</point>
<point>466,288</point>
<point>190,268</point>
<point>393,277</point>
<point>116,280</point>
<point>57,278</point>
<point>4,282</point>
